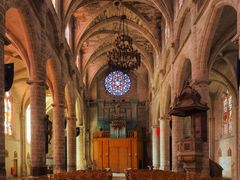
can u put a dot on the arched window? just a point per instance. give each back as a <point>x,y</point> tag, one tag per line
<point>180,3</point>
<point>167,32</point>
<point>28,124</point>
<point>67,33</point>
<point>54,3</point>
<point>227,113</point>
<point>8,114</point>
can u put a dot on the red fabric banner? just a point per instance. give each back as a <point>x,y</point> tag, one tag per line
<point>158,131</point>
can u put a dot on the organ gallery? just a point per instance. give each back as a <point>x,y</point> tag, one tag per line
<point>119,89</point>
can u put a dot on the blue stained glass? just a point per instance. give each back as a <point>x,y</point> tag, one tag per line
<point>117,83</point>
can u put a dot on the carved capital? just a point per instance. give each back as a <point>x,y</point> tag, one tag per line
<point>165,117</point>
<point>37,81</point>
<point>58,105</point>
<point>72,118</point>
<point>200,82</point>
<point>155,125</point>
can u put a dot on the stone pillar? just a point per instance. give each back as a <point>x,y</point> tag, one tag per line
<point>58,137</point>
<point>164,144</point>
<point>212,125</point>
<point>38,110</point>
<point>80,150</point>
<point>2,134</point>
<point>237,152</point>
<point>155,147</point>
<point>71,143</point>
<point>23,145</point>
<point>237,174</point>
<point>177,129</point>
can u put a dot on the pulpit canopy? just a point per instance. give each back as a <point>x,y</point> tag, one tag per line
<point>188,102</point>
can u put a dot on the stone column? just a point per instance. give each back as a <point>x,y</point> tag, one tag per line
<point>177,129</point>
<point>237,152</point>
<point>237,174</point>
<point>58,137</point>
<point>23,145</point>
<point>2,134</point>
<point>164,143</point>
<point>212,138</point>
<point>38,110</point>
<point>155,147</point>
<point>80,150</point>
<point>71,143</point>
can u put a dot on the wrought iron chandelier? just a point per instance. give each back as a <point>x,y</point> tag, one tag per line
<point>124,56</point>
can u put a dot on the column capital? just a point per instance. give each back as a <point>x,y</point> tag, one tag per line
<point>71,118</point>
<point>198,82</point>
<point>61,105</point>
<point>155,126</point>
<point>37,81</point>
<point>165,117</point>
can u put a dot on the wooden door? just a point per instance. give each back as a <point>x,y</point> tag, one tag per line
<point>114,158</point>
<point>123,158</point>
<point>106,154</point>
<point>98,153</point>
<point>134,154</point>
<point>129,154</point>
<point>117,154</point>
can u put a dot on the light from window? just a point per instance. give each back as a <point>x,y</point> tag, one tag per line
<point>167,32</point>
<point>180,3</point>
<point>227,113</point>
<point>78,62</point>
<point>67,33</point>
<point>54,3</point>
<point>8,114</point>
<point>28,124</point>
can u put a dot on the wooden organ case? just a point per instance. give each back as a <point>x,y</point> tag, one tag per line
<point>118,153</point>
<point>117,145</point>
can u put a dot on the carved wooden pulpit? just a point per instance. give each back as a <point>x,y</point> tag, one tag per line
<point>190,149</point>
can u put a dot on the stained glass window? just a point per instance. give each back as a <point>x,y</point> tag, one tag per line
<point>54,3</point>
<point>180,3</point>
<point>117,83</point>
<point>8,114</point>
<point>227,113</point>
<point>67,33</point>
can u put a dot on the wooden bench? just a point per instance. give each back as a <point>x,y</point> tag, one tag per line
<point>162,175</point>
<point>79,175</point>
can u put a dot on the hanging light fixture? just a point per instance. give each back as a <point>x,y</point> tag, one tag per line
<point>124,56</point>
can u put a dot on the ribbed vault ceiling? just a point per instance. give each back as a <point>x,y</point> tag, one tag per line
<point>96,25</point>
